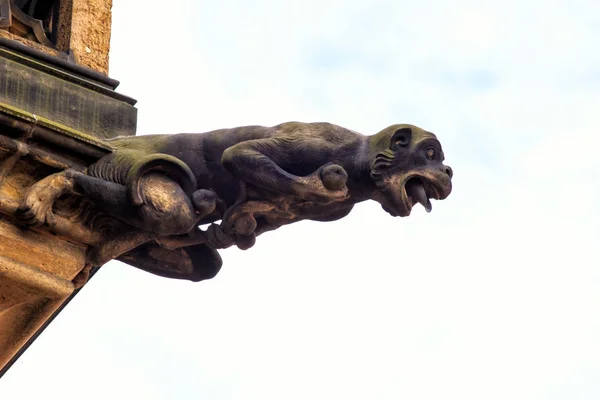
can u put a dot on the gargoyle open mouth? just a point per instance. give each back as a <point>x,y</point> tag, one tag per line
<point>419,191</point>
<point>417,188</point>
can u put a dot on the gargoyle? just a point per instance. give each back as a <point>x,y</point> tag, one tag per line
<point>252,179</point>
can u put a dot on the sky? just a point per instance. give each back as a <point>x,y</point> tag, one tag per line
<point>493,295</point>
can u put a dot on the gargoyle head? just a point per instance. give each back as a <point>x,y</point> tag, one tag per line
<point>407,168</point>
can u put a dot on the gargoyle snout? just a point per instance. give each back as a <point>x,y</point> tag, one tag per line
<point>444,182</point>
<point>448,171</point>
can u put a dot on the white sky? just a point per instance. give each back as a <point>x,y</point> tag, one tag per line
<point>494,295</point>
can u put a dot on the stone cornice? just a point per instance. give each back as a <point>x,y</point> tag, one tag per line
<point>38,265</point>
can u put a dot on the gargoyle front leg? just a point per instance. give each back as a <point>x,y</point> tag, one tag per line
<point>239,227</point>
<point>255,162</point>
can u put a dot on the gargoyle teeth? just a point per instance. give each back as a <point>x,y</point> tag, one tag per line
<point>416,190</point>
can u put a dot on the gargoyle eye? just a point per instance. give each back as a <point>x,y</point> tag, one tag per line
<point>430,153</point>
<point>402,137</point>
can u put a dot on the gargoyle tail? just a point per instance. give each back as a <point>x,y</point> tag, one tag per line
<point>158,162</point>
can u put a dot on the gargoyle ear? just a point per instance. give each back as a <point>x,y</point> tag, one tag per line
<point>401,138</point>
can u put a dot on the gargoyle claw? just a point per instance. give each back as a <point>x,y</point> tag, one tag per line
<point>216,238</point>
<point>36,206</point>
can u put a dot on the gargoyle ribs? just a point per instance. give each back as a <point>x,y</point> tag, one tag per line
<point>252,179</point>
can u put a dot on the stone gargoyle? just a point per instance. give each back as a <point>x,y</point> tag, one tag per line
<point>241,182</point>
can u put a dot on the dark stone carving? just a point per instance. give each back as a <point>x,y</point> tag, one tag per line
<point>151,193</point>
<point>5,15</point>
<point>38,9</point>
<point>31,19</point>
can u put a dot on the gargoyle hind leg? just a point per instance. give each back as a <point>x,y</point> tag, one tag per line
<point>166,209</point>
<point>255,162</point>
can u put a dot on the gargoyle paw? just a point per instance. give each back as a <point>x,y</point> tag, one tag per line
<point>334,177</point>
<point>244,242</point>
<point>326,185</point>
<point>205,202</point>
<point>216,238</point>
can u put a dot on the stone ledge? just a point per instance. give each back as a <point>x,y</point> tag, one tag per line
<point>43,127</point>
<point>65,98</point>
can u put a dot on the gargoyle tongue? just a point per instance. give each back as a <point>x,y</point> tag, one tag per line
<point>415,189</point>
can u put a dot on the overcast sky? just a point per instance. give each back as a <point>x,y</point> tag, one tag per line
<point>493,295</point>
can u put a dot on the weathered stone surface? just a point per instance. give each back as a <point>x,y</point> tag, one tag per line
<point>64,97</point>
<point>85,30</point>
<point>21,321</point>
<point>28,297</point>
<point>49,253</point>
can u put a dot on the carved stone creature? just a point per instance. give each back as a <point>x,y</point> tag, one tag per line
<point>253,179</point>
